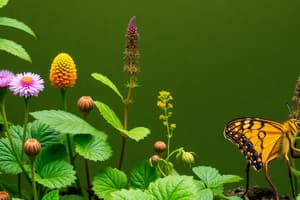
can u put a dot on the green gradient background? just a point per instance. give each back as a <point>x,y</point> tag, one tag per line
<point>220,59</point>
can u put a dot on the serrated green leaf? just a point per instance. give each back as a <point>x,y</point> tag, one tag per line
<point>138,133</point>
<point>92,147</point>
<point>142,175</point>
<point>107,181</point>
<point>66,122</point>
<point>106,81</point>
<point>227,178</point>
<point>53,195</point>
<point>8,162</point>
<point>109,115</point>
<point>6,21</point>
<point>71,197</point>
<point>174,188</point>
<point>207,174</point>
<point>3,3</point>
<point>57,174</point>
<point>14,49</point>
<point>130,195</point>
<point>199,184</point>
<point>206,194</point>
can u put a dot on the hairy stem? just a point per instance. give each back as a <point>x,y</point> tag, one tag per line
<point>26,112</point>
<point>33,179</point>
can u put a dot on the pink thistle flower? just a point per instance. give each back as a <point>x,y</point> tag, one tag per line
<point>132,28</point>
<point>5,78</point>
<point>26,84</point>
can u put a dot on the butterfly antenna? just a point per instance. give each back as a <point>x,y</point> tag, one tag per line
<point>291,113</point>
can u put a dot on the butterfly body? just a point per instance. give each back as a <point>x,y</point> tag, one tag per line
<point>262,141</point>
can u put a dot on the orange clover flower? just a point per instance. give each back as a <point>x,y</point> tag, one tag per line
<point>63,73</point>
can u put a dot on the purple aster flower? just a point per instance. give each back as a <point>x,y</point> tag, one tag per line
<point>5,78</point>
<point>26,84</point>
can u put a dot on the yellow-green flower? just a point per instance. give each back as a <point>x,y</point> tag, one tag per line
<point>63,73</point>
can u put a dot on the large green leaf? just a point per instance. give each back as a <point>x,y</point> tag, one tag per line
<point>130,195</point>
<point>138,133</point>
<point>106,81</point>
<point>8,162</point>
<point>66,122</point>
<point>14,49</point>
<point>109,115</point>
<point>142,175</point>
<point>92,147</point>
<point>57,174</point>
<point>206,194</point>
<point>174,188</point>
<point>107,181</point>
<point>3,3</point>
<point>6,21</point>
<point>53,195</point>
<point>207,174</point>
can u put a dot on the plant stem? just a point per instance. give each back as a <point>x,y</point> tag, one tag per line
<point>88,181</point>
<point>68,142</point>
<point>26,112</point>
<point>125,124</point>
<point>33,179</point>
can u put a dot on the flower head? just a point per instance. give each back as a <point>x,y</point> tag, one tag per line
<point>85,104</point>
<point>63,73</point>
<point>4,195</point>
<point>5,78</point>
<point>32,147</point>
<point>26,84</point>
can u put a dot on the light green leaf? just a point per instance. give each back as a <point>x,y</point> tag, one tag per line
<point>107,181</point>
<point>3,3</point>
<point>6,21</point>
<point>298,197</point>
<point>142,175</point>
<point>57,174</point>
<point>235,198</point>
<point>106,81</point>
<point>8,162</point>
<point>71,197</point>
<point>227,178</point>
<point>14,49</point>
<point>53,195</point>
<point>206,194</point>
<point>109,115</point>
<point>130,195</point>
<point>138,133</point>
<point>174,188</point>
<point>207,174</point>
<point>66,122</point>
<point>92,147</point>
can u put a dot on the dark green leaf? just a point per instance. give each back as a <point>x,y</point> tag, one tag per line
<point>8,162</point>
<point>57,174</point>
<point>71,197</point>
<point>92,147</point>
<point>14,49</point>
<point>5,21</point>
<point>142,175</point>
<point>107,181</point>
<point>106,81</point>
<point>53,195</point>
<point>66,122</point>
<point>174,188</point>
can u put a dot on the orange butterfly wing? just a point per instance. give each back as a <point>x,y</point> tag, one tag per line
<point>260,140</point>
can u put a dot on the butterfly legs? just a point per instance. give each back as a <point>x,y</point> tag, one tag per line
<point>247,178</point>
<point>290,175</point>
<point>270,182</point>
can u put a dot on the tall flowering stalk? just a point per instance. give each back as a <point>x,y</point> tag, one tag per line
<point>63,75</point>
<point>131,56</point>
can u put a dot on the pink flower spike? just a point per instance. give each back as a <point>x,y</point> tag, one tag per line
<point>132,25</point>
<point>26,84</point>
<point>5,78</point>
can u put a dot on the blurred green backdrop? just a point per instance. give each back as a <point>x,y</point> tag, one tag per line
<point>221,59</point>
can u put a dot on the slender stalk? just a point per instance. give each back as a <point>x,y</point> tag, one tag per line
<point>68,141</point>
<point>26,112</point>
<point>88,181</point>
<point>33,179</point>
<point>125,123</point>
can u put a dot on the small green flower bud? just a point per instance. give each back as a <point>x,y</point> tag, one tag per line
<point>32,147</point>
<point>85,104</point>
<point>4,195</point>
<point>188,157</point>
<point>159,146</point>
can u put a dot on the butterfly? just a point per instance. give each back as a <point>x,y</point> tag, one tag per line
<point>262,141</point>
